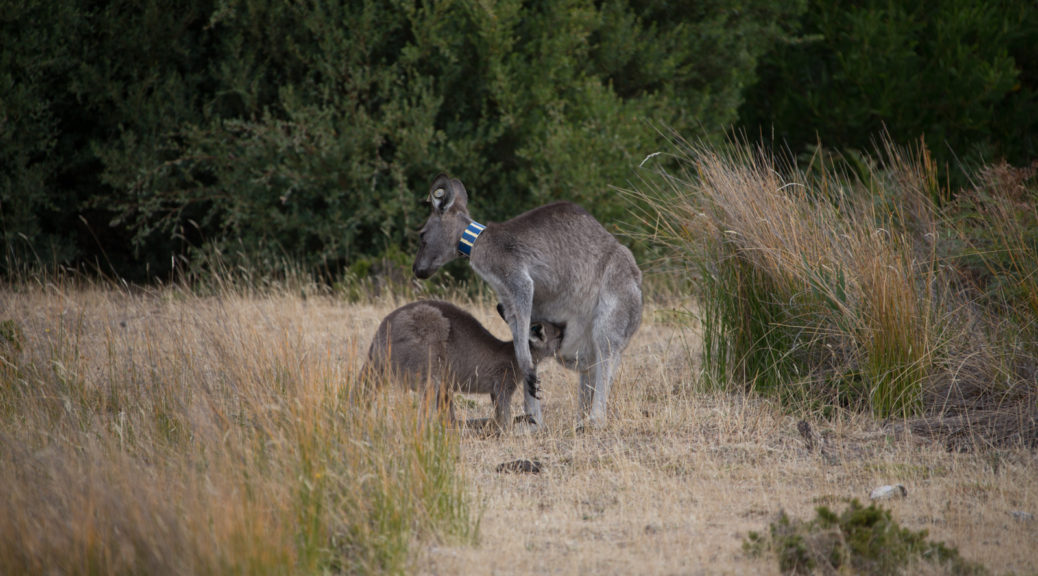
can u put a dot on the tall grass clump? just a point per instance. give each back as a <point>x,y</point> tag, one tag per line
<point>840,283</point>
<point>169,433</point>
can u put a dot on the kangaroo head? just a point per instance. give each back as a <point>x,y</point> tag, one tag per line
<point>545,339</point>
<point>438,238</point>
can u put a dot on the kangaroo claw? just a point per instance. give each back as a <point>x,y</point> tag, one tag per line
<point>532,386</point>
<point>525,419</point>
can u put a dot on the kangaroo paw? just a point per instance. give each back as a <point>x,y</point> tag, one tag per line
<point>525,419</point>
<point>532,385</point>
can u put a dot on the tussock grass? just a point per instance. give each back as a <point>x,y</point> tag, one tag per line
<point>842,283</point>
<point>167,433</point>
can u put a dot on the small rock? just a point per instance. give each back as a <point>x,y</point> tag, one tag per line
<point>1021,516</point>
<point>889,492</point>
<point>520,467</point>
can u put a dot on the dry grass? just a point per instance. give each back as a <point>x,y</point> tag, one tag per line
<point>843,283</point>
<point>149,458</point>
<point>167,433</point>
<point>798,262</point>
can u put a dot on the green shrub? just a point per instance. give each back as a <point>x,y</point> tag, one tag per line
<point>956,73</point>
<point>860,540</point>
<point>143,138</point>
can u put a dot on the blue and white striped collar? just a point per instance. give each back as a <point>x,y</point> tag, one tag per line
<point>468,238</point>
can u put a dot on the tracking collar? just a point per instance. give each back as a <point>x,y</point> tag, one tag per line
<point>468,238</point>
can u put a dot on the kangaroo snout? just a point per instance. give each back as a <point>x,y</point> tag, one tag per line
<point>420,272</point>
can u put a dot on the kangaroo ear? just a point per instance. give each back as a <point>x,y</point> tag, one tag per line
<point>447,192</point>
<point>536,333</point>
<point>441,198</point>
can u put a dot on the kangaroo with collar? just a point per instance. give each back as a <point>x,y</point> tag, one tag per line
<point>554,264</point>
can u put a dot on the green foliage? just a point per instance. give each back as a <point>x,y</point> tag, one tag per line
<point>861,540</point>
<point>146,135</point>
<point>955,72</point>
<point>136,137</point>
<point>38,44</point>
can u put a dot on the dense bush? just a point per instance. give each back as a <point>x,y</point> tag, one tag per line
<point>956,72</point>
<point>307,132</point>
<point>37,55</point>
<point>138,134</point>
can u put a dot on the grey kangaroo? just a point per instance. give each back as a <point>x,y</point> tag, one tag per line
<point>555,264</point>
<point>436,342</point>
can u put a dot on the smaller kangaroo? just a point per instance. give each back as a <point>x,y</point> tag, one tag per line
<point>436,342</point>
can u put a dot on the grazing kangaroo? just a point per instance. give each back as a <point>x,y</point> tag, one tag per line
<point>555,264</point>
<point>433,341</point>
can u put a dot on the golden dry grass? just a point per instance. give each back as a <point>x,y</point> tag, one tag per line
<point>847,282</point>
<point>167,433</point>
<point>672,485</point>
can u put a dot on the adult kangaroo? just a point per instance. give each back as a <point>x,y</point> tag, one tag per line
<point>555,264</point>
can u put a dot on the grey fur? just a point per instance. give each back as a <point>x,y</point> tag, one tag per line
<point>556,264</point>
<point>436,342</point>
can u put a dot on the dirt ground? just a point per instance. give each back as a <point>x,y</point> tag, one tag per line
<point>680,476</point>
